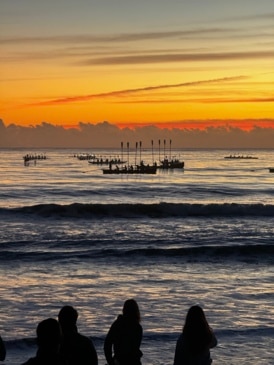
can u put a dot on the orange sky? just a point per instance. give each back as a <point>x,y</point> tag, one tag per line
<point>175,65</point>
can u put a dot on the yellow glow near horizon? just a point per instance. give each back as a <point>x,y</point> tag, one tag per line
<point>46,101</point>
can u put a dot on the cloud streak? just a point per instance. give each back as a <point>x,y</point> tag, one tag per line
<point>181,57</point>
<point>104,56</point>
<point>126,92</point>
<point>122,37</point>
<point>213,100</point>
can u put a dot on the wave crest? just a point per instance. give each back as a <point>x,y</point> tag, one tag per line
<point>160,210</point>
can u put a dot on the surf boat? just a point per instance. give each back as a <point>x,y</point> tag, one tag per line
<point>171,164</point>
<point>138,169</point>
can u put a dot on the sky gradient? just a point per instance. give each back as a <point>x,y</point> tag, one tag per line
<point>137,62</point>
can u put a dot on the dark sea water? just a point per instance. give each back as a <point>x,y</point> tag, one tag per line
<point>203,235</point>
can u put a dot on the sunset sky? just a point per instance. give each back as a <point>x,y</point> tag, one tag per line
<point>145,62</point>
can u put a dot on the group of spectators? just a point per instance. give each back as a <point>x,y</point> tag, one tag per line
<point>60,343</point>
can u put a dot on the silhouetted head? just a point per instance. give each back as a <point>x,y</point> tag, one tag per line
<point>131,310</point>
<point>195,316</point>
<point>48,334</point>
<point>68,317</point>
<point>196,330</point>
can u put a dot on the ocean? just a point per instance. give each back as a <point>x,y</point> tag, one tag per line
<point>200,235</point>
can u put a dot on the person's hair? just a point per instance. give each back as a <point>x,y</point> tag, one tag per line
<point>68,316</point>
<point>131,310</point>
<point>196,331</point>
<point>48,333</point>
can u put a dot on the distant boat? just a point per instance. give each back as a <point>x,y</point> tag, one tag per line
<point>271,169</point>
<point>169,163</point>
<point>130,169</point>
<point>244,157</point>
<point>138,169</point>
<point>85,156</point>
<point>107,161</point>
<point>29,157</point>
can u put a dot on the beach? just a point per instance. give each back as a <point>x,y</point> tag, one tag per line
<point>199,235</point>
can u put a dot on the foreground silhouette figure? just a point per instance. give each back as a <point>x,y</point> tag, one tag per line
<point>123,341</point>
<point>2,350</point>
<point>48,341</point>
<point>76,348</point>
<point>196,340</point>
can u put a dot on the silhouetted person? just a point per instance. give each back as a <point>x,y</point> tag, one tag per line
<point>48,341</point>
<point>2,350</point>
<point>196,340</point>
<point>76,348</point>
<point>123,341</point>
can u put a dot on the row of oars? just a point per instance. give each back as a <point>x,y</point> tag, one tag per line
<point>139,144</point>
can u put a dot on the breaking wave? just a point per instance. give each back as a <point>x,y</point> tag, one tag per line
<point>160,210</point>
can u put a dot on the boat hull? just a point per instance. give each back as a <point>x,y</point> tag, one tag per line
<point>173,164</point>
<point>137,170</point>
<point>107,162</point>
<point>236,157</point>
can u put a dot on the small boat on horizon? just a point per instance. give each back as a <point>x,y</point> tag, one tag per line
<point>107,161</point>
<point>85,156</point>
<point>271,169</point>
<point>243,157</point>
<point>29,157</point>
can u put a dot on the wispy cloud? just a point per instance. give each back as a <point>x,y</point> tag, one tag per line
<point>181,57</point>
<point>136,47</point>
<point>199,100</point>
<point>125,92</point>
<point>104,57</point>
<point>194,32</point>
<point>118,37</point>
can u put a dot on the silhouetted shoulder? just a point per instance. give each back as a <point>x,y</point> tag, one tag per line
<point>2,350</point>
<point>214,341</point>
<point>83,350</point>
